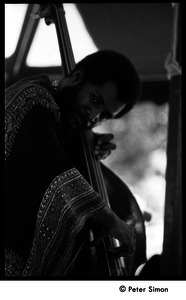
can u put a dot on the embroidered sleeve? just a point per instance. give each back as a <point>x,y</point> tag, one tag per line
<point>68,202</point>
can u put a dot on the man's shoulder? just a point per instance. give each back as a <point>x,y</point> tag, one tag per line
<point>40,80</point>
<point>28,93</point>
<point>28,96</point>
<point>31,89</point>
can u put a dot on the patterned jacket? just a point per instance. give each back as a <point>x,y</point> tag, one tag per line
<point>47,200</point>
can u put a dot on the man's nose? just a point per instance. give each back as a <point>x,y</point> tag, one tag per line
<point>96,118</point>
<point>95,115</point>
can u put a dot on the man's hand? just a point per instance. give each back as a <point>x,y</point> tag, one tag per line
<point>102,145</point>
<point>111,224</point>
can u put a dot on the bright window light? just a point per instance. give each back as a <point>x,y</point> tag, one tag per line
<point>14,17</point>
<point>44,49</point>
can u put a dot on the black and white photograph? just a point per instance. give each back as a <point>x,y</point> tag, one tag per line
<point>93,150</point>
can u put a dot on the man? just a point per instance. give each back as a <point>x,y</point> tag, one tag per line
<point>48,201</point>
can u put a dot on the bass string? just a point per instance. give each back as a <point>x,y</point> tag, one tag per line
<point>114,266</point>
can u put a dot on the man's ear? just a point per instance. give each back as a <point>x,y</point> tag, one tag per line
<point>76,78</point>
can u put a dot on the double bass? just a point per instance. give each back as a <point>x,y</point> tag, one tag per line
<point>96,261</point>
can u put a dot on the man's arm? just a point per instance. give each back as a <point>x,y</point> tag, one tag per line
<point>111,224</point>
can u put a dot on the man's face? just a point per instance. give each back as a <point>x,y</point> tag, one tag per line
<point>91,104</point>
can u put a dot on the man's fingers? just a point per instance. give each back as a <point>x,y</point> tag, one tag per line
<point>105,138</point>
<point>102,137</point>
<point>103,151</point>
<point>123,250</point>
<point>102,147</point>
<point>102,154</point>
